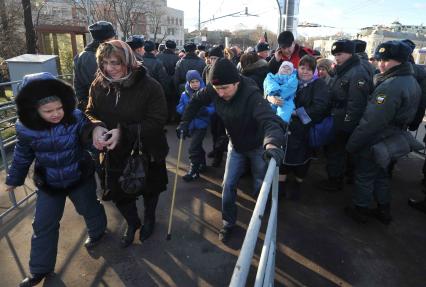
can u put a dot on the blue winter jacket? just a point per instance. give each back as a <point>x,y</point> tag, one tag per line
<point>202,120</point>
<point>285,87</point>
<point>57,151</point>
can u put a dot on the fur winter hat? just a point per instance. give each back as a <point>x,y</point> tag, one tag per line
<point>189,47</point>
<point>393,50</point>
<point>262,46</point>
<point>170,44</point>
<point>326,64</point>
<point>102,30</point>
<point>343,46</point>
<point>360,45</point>
<point>216,52</point>
<point>149,46</point>
<point>135,41</point>
<point>36,88</point>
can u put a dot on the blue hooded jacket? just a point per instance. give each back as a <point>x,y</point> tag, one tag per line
<point>202,120</point>
<point>284,86</point>
<point>60,162</point>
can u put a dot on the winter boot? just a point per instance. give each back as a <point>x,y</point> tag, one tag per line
<point>150,204</point>
<point>382,213</point>
<point>192,174</point>
<point>420,205</point>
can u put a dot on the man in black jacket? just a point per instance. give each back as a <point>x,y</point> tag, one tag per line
<point>169,59</point>
<point>391,108</point>
<point>85,65</point>
<point>349,88</point>
<point>189,62</point>
<point>154,66</point>
<point>252,126</point>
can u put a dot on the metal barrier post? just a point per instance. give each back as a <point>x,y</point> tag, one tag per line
<point>12,196</point>
<point>241,270</point>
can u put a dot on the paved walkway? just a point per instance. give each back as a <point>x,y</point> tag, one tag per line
<point>317,244</point>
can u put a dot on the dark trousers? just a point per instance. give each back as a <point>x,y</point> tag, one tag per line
<point>48,214</point>
<point>300,171</point>
<point>220,139</point>
<point>197,155</point>
<point>337,156</point>
<point>129,210</point>
<point>371,182</point>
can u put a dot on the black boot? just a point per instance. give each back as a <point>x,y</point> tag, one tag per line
<point>420,205</point>
<point>331,185</point>
<point>130,212</point>
<point>129,235</point>
<point>93,241</point>
<point>192,174</point>
<point>382,213</point>
<point>33,279</point>
<point>150,203</point>
<point>357,213</point>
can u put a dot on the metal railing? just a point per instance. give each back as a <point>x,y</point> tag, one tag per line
<point>266,270</point>
<point>7,121</point>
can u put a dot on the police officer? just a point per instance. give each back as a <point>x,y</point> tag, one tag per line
<point>350,88</point>
<point>85,63</point>
<point>390,109</point>
<point>136,42</point>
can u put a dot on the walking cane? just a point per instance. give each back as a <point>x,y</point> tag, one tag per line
<point>169,234</point>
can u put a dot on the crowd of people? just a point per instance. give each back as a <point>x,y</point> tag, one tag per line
<point>289,104</point>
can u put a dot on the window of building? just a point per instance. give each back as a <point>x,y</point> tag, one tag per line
<point>180,22</point>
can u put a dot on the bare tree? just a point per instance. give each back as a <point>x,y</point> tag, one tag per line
<point>156,15</point>
<point>29,27</point>
<point>12,41</point>
<point>125,12</point>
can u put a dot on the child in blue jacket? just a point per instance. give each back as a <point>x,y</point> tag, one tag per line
<point>49,131</point>
<point>283,85</point>
<point>197,127</point>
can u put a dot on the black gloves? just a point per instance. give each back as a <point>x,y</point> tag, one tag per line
<point>182,130</point>
<point>275,153</point>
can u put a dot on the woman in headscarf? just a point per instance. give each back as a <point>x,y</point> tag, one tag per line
<point>128,103</point>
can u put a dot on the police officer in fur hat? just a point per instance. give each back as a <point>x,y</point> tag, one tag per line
<point>350,88</point>
<point>85,63</point>
<point>360,47</point>
<point>262,50</point>
<point>390,109</point>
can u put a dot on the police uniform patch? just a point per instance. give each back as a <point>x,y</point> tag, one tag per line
<point>361,83</point>
<point>382,49</point>
<point>380,98</point>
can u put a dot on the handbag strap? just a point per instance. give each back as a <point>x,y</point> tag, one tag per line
<point>137,146</point>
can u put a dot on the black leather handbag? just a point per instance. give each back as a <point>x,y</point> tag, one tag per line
<point>133,179</point>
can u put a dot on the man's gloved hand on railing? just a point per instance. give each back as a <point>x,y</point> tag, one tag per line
<point>274,152</point>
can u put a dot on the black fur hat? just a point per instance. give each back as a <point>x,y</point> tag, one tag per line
<point>27,101</point>
<point>393,50</point>
<point>102,30</point>
<point>343,46</point>
<point>360,45</point>
<point>189,47</point>
<point>135,41</point>
<point>262,46</point>
<point>170,44</point>
<point>149,46</point>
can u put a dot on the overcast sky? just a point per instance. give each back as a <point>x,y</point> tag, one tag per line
<point>347,16</point>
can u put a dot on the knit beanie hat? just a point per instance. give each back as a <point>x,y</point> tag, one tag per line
<point>286,64</point>
<point>326,64</point>
<point>223,72</point>
<point>343,46</point>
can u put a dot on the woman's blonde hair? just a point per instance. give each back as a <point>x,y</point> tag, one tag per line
<point>228,53</point>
